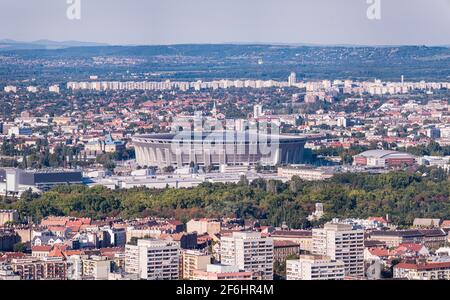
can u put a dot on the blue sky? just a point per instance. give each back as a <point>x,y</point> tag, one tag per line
<point>221,21</point>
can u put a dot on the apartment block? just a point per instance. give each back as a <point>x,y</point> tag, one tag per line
<point>221,272</point>
<point>191,261</point>
<point>341,242</point>
<point>40,269</point>
<point>424,271</point>
<point>249,251</point>
<point>315,267</point>
<point>153,259</point>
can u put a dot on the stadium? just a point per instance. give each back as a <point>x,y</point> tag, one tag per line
<point>218,148</point>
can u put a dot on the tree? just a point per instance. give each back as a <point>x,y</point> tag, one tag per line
<point>20,247</point>
<point>169,169</point>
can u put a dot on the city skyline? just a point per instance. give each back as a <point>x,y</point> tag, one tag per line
<point>259,143</point>
<point>195,22</point>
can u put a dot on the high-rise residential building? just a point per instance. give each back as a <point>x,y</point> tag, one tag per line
<point>10,89</point>
<point>249,251</point>
<point>257,111</point>
<point>292,79</point>
<point>48,268</point>
<point>54,89</point>
<point>341,242</point>
<point>88,267</point>
<point>32,89</point>
<point>193,260</point>
<point>97,267</point>
<point>153,259</point>
<point>315,267</point>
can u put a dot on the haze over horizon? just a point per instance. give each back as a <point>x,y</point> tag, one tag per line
<point>167,22</point>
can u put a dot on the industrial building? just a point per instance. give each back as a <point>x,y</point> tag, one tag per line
<point>16,181</point>
<point>383,159</point>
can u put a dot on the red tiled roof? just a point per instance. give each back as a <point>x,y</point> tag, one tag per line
<point>113,250</point>
<point>381,252</point>
<point>68,253</point>
<point>445,224</point>
<point>58,251</point>
<point>57,228</point>
<point>409,247</point>
<point>45,248</point>
<point>379,219</point>
<point>11,255</point>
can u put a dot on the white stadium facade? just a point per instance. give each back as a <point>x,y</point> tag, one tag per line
<point>217,148</point>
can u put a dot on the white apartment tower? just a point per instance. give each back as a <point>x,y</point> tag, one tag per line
<point>250,252</point>
<point>257,111</point>
<point>315,267</point>
<point>153,259</point>
<point>341,242</point>
<point>54,89</point>
<point>292,79</point>
<point>10,89</point>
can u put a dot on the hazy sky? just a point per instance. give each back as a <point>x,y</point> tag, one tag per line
<point>220,21</point>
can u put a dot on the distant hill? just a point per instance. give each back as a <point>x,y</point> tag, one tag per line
<point>217,61</point>
<point>11,45</point>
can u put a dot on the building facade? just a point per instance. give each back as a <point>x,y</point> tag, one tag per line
<point>341,242</point>
<point>426,271</point>
<point>249,251</point>
<point>217,148</point>
<point>191,261</point>
<point>315,267</point>
<point>40,269</point>
<point>153,259</point>
<point>222,272</point>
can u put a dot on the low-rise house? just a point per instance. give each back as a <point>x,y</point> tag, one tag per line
<point>423,271</point>
<point>47,238</point>
<point>284,249</point>
<point>431,238</point>
<point>301,237</point>
<point>40,251</point>
<point>426,223</point>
